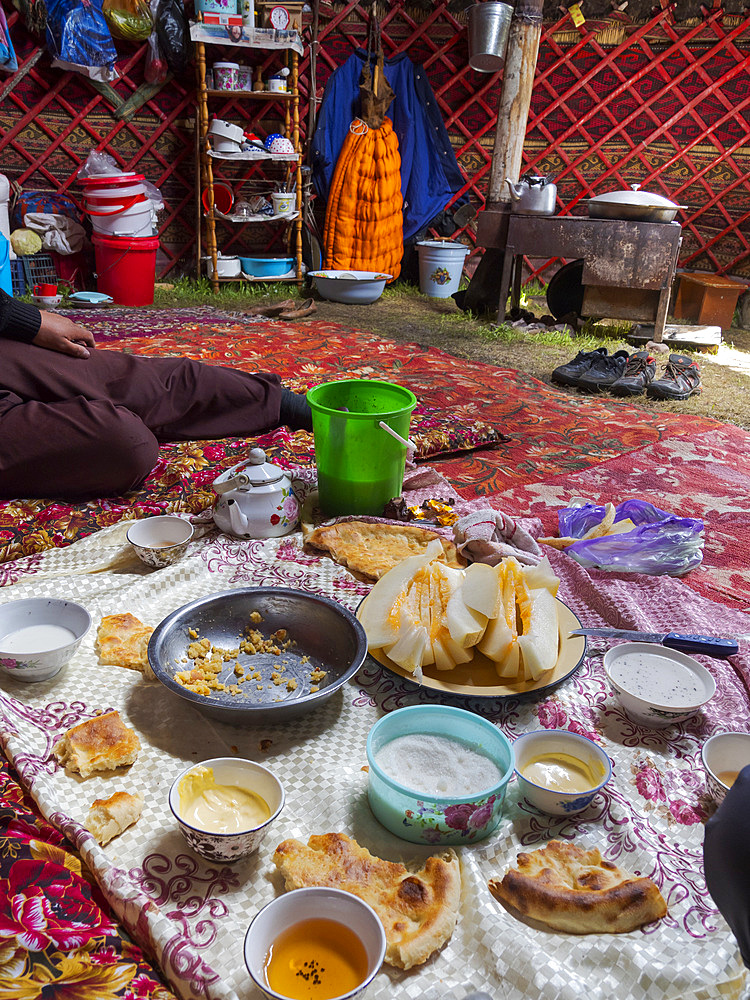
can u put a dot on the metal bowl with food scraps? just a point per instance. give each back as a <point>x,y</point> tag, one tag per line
<point>633,206</point>
<point>258,654</point>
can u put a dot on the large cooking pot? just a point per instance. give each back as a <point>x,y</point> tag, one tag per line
<point>633,206</point>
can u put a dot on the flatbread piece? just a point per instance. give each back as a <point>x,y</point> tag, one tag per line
<point>107,818</point>
<point>99,744</point>
<point>568,888</point>
<point>123,642</point>
<point>418,910</point>
<point>373,547</point>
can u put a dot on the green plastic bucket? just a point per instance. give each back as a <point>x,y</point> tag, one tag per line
<point>360,466</point>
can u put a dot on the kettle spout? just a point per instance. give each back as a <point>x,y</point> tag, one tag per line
<point>237,519</point>
<point>515,189</point>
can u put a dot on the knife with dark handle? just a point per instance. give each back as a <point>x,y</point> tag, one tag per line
<point>709,645</point>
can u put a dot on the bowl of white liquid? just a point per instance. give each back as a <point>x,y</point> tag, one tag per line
<point>437,775</point>
<point>38,636</point>
<point>657,686</point>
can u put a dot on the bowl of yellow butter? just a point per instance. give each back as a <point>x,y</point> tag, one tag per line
<point>560,772</point>
<point>225,806</point>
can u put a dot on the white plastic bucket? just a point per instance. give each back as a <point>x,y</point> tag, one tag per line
<point>441,264</point>
<point>120,207</point>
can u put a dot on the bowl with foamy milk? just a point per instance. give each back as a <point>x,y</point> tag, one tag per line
<point>39,636</point>
<point>437,775</point>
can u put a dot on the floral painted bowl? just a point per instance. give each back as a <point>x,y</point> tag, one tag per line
<point>561,744</point>
<point>38,636</point>
<point>160,541</point>
<point>438,819</point>
<point>232,771</point>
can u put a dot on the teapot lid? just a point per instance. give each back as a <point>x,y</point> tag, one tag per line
<point>253,472</point>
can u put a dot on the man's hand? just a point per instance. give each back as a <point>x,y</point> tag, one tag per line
<point>58,333</point>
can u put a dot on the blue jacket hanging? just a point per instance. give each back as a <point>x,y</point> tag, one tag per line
<point>430,175</point>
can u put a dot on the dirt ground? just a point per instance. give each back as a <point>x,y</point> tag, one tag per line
<point>439,323</point>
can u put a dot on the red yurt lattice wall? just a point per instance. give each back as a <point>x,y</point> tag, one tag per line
<point>660,103</point>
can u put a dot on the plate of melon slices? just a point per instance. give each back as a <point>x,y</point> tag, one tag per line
<point>480,632</point>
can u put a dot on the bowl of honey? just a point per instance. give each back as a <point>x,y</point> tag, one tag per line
<point>724,756</point>
<point>318,942</point>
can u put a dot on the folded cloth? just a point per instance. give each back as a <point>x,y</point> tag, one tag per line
<point>489,536</point>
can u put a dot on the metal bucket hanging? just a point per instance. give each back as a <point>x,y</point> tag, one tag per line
<point>489,26</point>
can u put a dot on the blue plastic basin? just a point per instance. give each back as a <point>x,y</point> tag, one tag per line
<point>266,267</point>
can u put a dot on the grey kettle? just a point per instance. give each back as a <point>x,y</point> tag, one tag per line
<point>533,195</point>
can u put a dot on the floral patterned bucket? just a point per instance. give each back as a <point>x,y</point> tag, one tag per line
<point>441,265</point>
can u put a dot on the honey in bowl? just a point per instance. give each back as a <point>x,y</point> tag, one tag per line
<point>727,778</point>
<point>316,959</point>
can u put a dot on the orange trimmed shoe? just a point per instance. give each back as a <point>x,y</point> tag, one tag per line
<point>681,379</point>
<point>640,370</point>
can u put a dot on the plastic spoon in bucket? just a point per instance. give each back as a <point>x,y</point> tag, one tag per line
<point>408,444</point>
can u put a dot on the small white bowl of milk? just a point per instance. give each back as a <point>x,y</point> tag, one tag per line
<point>39,636</point>
<point>657,686</point>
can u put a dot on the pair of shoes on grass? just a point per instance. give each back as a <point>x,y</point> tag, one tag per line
<point>288,309</point>
<point>630,374</point>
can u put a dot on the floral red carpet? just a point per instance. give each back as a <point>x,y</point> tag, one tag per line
<point>497,427</point>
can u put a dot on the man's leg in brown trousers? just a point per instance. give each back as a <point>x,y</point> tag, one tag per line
<point>77,448</point>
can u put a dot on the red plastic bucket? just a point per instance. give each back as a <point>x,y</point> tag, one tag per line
<point>126,267</point>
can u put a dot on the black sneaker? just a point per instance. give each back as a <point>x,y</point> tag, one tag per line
<point>604,372</point>
<point>571,371</point>
<point>680,379</point>
<point>640,370</point>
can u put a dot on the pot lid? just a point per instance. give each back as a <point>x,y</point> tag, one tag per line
<point>254,472</point>
<point>633,196</point>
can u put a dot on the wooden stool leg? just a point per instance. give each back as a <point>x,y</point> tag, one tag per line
<point>508,260</point>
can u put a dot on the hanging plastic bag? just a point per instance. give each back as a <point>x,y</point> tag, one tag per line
<point>156,68</point>
<point>660,543</point>
<point>99,163</point>
<point>171,26</point>
<point>128,19</point>
<point>79,39</point>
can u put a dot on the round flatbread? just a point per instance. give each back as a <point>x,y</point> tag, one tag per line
<point>568,888</point>
<point>417,909</point>
<point>371,548</point>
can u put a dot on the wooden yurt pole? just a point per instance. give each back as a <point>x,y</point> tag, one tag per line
<point>512,118</point>
<point>515,97</point>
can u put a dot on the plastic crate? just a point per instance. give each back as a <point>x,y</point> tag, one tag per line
<point>28,270</point>
<point>17,277</point>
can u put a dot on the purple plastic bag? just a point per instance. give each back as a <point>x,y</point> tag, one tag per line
<point>661,543</point>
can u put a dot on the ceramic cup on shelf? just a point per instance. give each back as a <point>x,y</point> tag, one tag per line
<point>245,78</point>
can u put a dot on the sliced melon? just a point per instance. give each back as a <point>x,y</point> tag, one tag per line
<point>465,625</point>
<point>410,650</point>
<point>497,639</point>
<point>539,641</point>
<point>510,665</point>
<point>380,613</point>
<point>622,527</point>
<point>541,575</point>
<point>482,589</point>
